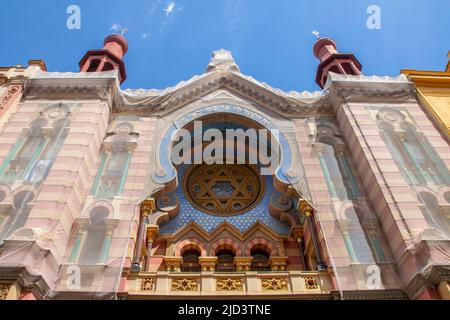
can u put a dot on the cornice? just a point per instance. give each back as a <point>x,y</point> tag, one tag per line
<point>156,102</point>
<point>431,277</point>
<point>71,86</point>
<point>27,281</point>
<point>105,85</point>
<point>345,88</point>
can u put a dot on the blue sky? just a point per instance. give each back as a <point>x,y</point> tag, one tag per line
<point>172,40</point>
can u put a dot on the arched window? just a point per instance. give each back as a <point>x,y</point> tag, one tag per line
<point>16,217</point>
<point>94,65</point>
<point>33,154</point>
<point>260,261</point>
<point>418,161</point>
<point>114,162</point>
<point>93,240</point>
<point>191,261</point>
<point>337,172</point>
<point>334,69</point>
<point>111,174</point>
<point>225,261</point>
<point>108,66</point>
<point>348,68</point>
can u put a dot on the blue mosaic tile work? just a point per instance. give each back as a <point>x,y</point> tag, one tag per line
<point>209,222</point>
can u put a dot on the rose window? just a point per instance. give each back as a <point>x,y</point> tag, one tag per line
<point>223,189</point>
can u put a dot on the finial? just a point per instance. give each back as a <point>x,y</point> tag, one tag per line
<point>124,30</point>
<point>317,34</point>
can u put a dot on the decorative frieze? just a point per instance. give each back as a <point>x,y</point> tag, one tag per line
<point>184,284</point>
<point>147,284</point>
<point>229,284</point>
<point>274,284</point>
<point>4,290</point>
<point>311,283</point>
<point>12,91</point>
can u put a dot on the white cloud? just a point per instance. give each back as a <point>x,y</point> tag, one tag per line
<point>169,8</point>
<point>116,27</point>
<point>145,35</point>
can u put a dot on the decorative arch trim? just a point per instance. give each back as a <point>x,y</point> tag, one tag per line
<point>260,243</point>
<point>167,172</point>
<point>225,243</point>
<point>190,243</point>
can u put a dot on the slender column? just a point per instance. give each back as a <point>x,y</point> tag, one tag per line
<point>146,209</point>
<point>152,232</point>
<point>308,211</point>
<point>12,155</point>
<point>298,235</point>
<point>77,244</point>
<point>125,172</point>
<point>107,242</point>
<point>105,155</point>
<point>349,245</point>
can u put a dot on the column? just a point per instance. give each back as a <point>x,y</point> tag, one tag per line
<point>297,233</point>
<point>146,209</point>
<point>308,212</point>
<point>152,232</point>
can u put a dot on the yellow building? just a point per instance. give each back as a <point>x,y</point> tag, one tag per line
<point>433,89</point>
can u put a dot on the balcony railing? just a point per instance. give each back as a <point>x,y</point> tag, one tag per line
<point>210,283</point>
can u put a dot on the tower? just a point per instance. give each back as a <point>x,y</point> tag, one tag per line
<point>331,60</point>
<point>108,58</point>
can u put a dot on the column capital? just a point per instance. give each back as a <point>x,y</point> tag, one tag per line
<point>278,263</point>
<point>147,206</point>
<point>152,231</point>
<point>208,263</point>
<point>305,208</point>
<point>173,263</point>
<point>297,232</point>
<point>243,263</point>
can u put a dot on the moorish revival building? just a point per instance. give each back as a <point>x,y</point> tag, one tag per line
<point>94,206</point>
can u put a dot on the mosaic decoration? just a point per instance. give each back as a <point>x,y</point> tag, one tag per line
<point>311,283</point>
<point>210,222</point>
<point>147,284</point>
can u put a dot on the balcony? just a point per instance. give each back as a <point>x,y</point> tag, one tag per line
<point>282,284</point>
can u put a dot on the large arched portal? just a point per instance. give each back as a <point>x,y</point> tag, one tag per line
<point>228,174</point>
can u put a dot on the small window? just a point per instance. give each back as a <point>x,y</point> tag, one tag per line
<point>108,66</point>
<point>260,260</point>
<point>225,261</point>
<point>94,65</point>
<point>191,261</point>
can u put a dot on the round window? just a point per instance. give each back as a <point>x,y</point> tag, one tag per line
<point>223,189</point>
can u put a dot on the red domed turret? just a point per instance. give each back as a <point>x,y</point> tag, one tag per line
<point>333,61</point>
<point>108,58</point>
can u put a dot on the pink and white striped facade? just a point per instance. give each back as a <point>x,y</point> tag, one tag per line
<point>84,231</point>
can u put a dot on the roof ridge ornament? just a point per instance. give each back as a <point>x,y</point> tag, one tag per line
<point>222,60</point>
